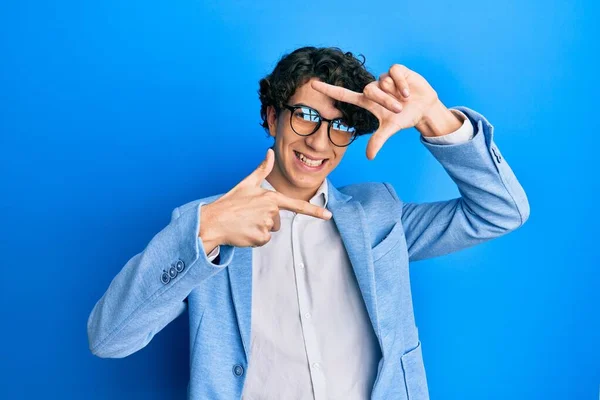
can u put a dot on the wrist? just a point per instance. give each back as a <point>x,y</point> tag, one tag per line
<point>438,121</point>
<point>208,232</point>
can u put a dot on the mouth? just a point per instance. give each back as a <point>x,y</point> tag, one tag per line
<point>309,163</point>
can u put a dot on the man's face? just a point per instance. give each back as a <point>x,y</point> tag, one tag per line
<point>290,147</point>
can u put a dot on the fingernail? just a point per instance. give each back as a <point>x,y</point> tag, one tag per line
<point>405,92</point>
<point>397,107</point>
<point>327,214</point>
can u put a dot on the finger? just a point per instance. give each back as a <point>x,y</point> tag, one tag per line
<point>375,144</point>
<point>276,223</point>
<point>263,170</point>
<point>374,93</point>
<point>269,222</point>
<point>302,207</point>
<point>378,139</point>
<point>264,237</point>
<point>386,83</point>
<point>341,94</point>
<point>398,75</point>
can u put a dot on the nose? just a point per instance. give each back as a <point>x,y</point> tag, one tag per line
<point>319,141</point>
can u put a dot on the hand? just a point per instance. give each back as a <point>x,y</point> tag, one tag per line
<point>247,214</point>
<point>400,99</point>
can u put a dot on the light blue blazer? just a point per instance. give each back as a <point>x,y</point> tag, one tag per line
<point>381,233</point>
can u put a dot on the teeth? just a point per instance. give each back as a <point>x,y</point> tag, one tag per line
<point>308,161</point>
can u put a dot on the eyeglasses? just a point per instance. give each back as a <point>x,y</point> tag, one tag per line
<point>305,121</point>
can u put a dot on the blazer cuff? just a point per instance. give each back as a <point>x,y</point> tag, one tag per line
<point>213,254</point>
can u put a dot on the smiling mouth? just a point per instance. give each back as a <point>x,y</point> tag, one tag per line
<point>308,161</point>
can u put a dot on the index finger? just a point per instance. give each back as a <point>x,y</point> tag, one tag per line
<point>340,93</point>
<point>302,207</point>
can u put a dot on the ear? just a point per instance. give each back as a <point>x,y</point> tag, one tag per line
<point>272,120</point>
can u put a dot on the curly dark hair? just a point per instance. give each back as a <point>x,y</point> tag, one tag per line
<point>329,64</point>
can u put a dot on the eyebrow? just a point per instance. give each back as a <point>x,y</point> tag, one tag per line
<point>318,112</point>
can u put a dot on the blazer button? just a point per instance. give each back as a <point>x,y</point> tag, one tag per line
<point>172,272</point>
<point>165,278</point>
<point>238,370</point>
<point>179,265</point>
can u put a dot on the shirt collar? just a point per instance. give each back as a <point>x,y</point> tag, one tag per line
<point>319,199</point>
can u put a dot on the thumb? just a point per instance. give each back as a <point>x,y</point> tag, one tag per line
<point>263,170</point>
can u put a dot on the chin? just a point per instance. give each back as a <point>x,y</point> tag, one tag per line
<point>309,182</point>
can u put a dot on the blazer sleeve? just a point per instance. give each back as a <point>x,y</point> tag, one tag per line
<point>492,201</point>
<point>151,289</point>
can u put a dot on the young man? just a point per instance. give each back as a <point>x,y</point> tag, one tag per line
<point>297,289</point>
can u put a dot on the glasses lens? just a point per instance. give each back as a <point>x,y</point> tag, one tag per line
<point>341,134</point>
<point>305,120</point>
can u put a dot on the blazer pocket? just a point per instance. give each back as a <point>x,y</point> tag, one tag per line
<point>389,242</point>
<point>414,374</point>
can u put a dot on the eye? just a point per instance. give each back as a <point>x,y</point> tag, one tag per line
<point>339,125</point>
<point>307,114</point>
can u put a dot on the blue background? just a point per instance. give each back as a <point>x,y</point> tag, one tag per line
<point>113,113</point>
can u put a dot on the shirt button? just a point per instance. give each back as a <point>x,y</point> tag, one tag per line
<point>301,265</point>
<point>316,365</point>
<point>307,315</point>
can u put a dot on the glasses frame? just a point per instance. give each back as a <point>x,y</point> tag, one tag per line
<point>321,119</point>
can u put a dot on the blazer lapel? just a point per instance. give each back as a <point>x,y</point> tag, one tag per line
<point>240,278</point>
<point>351,221</point>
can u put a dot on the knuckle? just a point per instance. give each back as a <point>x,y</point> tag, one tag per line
<point>397,68</point>
<point>270,196</point>
<point>265,237</point>
<point>261,238</point>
